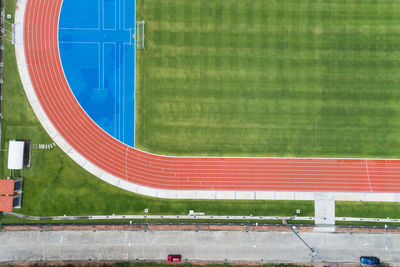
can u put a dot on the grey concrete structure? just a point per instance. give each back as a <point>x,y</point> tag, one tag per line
<point>324,208</point>
<point>203,217</point>
<point>202,245</point>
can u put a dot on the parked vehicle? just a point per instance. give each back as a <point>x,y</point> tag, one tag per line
<point>174,257</point>
<point>370,260</point>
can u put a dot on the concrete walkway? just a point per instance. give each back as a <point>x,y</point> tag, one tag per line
<point>324,208</point>
<point>125,245</point>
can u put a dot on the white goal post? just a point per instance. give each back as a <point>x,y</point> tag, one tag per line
<point>140,34</point>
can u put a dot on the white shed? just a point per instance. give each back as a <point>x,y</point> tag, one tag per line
<point>16,155</point>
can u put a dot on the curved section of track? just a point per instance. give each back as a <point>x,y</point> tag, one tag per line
<point>177,173</point>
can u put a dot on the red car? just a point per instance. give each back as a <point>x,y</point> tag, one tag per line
<point>174,257</point>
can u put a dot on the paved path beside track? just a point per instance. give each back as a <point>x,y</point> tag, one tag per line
<point>139,244</point>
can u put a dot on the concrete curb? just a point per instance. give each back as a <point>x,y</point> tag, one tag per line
<point>200,217</point>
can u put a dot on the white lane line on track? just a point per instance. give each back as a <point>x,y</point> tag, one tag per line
<point>369,180</point>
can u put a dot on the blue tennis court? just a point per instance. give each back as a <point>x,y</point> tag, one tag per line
<point>97,50</point>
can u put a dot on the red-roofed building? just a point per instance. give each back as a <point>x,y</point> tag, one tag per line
<point>6,203</point>
<point>6,187</point>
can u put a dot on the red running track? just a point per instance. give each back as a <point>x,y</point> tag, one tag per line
<point>178,173</point>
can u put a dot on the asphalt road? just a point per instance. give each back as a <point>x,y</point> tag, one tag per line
<point>201,245</point>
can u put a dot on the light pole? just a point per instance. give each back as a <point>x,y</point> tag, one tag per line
<point>313,251</point>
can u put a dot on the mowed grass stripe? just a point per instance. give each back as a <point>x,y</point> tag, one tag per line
<point>269,78</point>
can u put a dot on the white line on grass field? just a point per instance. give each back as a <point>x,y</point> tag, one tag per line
<point>316,134</point>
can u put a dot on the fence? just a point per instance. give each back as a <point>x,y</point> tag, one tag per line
<point>2,10</point>
<point>7,33</point>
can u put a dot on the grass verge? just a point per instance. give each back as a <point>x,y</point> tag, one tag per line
<point>368,209</point>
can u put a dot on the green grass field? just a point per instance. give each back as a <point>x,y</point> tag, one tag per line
<point>269,78</point>
<point>367,209</point>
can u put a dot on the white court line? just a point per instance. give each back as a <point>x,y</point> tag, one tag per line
<point>103,61</point>
<point>134,16</point>
<point>94,29</point>
<point>115,89</point>
<point>98,15</point>
<point>100,85</point>
<point>115,67</point>
<point>121,15</point>
<point>119,93</point>
<point>102,66</point>
<point>83,29</point>
<point>123,90</point>
<point>124,15</point>
<point>122,98</point>
<point>115,16</point>
<point>98,49</point>
<point>102,14</point>
<point>77,42</point>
